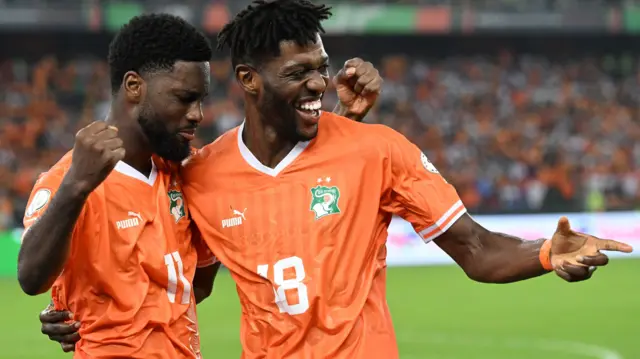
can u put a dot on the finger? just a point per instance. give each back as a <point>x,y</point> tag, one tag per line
<point>55,316</point>
<point>373,87</point>
<point>577,272</point>
<point>343,76</point>
<point>611,245</point>
<point>354,62</point>
<point>563,226</point>
<point>117,155</point>
<point>93,128</point>
<point>106,134</point>
<point>59,329</point>
<point>595,260</point>
<point>66,347</point>
<point>362,82</point>
<point>564,275</point>
<point>365,68</point>
<point>113,144</point>
<point>66,339</point>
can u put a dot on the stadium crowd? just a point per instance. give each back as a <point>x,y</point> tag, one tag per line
<point>512,133</point>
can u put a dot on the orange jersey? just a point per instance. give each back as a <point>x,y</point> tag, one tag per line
<point>131,264</point>
<point>305,241</point>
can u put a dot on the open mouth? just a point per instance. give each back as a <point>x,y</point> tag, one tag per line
<point>310,108</point>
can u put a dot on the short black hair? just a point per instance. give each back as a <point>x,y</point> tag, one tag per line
<point>155,42</point>
<point>256,32</point>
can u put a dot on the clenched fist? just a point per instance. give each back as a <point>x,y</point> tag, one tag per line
<point>96,152</point>
<point>358,85</point>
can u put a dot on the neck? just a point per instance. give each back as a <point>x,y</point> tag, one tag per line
<point>137,150</point>
<point>263,141</point>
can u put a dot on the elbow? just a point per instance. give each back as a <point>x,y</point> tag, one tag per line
<point>485,274</point>
<point>29,283</point>
<point>478,276</point>
<point>30,286</point>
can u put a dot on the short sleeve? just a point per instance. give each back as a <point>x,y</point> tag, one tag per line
<point>41,195</point>
<point>415,190</point>
<point>205,255</point>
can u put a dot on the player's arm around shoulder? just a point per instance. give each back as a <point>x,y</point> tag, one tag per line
<point>207,267</point>
<point>56,203</point>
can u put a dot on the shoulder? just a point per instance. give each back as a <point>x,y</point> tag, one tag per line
<point>222,144</point>
<point>55,174</point>
<point>372,136</point>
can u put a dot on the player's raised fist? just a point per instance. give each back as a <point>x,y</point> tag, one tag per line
<point>575,256</point>
<point>358,85</point>
<point>96,152</point>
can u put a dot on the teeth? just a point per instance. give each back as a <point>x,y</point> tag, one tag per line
<point>311,105</point>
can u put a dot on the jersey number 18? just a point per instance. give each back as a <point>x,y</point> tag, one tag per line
<point>281,284</point>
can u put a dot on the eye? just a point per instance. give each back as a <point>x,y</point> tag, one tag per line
<point>298,74</point>
<point>187,99</point>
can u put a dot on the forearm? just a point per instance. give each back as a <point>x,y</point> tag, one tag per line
<point>506,259</point>
<point>344,112</point>
<point>45,246</point>
<point>203,281</point>
<point>491,257</point>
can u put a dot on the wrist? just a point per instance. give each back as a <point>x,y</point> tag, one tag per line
<point>72,188</point>
<point>545,255</point>
<point>344,111</point>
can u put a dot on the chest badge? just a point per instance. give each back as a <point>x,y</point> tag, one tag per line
<point>324,198</point>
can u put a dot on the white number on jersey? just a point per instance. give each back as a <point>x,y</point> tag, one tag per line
<point>282,285</point>
<point>172,287</point>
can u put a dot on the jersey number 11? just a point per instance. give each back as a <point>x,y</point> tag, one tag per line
<point>173,260</point>
<point>282,285</point>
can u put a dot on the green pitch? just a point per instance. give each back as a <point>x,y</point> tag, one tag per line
<point>438,314</point>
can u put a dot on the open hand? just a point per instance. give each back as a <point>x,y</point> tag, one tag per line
<point>575,256</point>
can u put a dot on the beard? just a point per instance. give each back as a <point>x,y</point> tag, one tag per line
<point>163,142</point>
<point>281,114</point>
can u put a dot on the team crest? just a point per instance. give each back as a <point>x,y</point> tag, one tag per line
<point>176,205</point>
<point>427,164</point>
<point>39,200</point>
<point>324,201</point>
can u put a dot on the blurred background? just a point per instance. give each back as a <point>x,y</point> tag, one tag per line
<point>531,108</point>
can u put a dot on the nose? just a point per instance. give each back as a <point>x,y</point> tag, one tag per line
<point>195,115</point>
<point>317,84</point>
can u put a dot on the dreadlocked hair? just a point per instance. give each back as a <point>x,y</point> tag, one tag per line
<point>154,42</point>
<point>256,32</point>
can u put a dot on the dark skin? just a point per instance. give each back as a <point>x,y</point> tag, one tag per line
<point>358,85</point>
<point>151,113</point>
<point>148,116</point>
<point>485,256</point>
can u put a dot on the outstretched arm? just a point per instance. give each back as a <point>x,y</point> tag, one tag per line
<point>415,191</point>
<point>491,257</point>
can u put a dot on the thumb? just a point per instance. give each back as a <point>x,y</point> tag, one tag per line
<point>344,74</point>
<point>563,226</point>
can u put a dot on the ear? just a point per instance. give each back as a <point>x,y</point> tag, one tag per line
<point>248,79</point>
<point>134,86</point>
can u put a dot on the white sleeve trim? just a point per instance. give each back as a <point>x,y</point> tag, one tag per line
<point>444,223</point>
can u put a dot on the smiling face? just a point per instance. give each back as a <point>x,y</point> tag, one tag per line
<point>171,109</point>
<point>290,88</point>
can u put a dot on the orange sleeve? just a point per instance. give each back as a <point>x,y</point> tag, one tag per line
<point>41,195</point>
<point>205,255</point>
<point>415,191</point>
